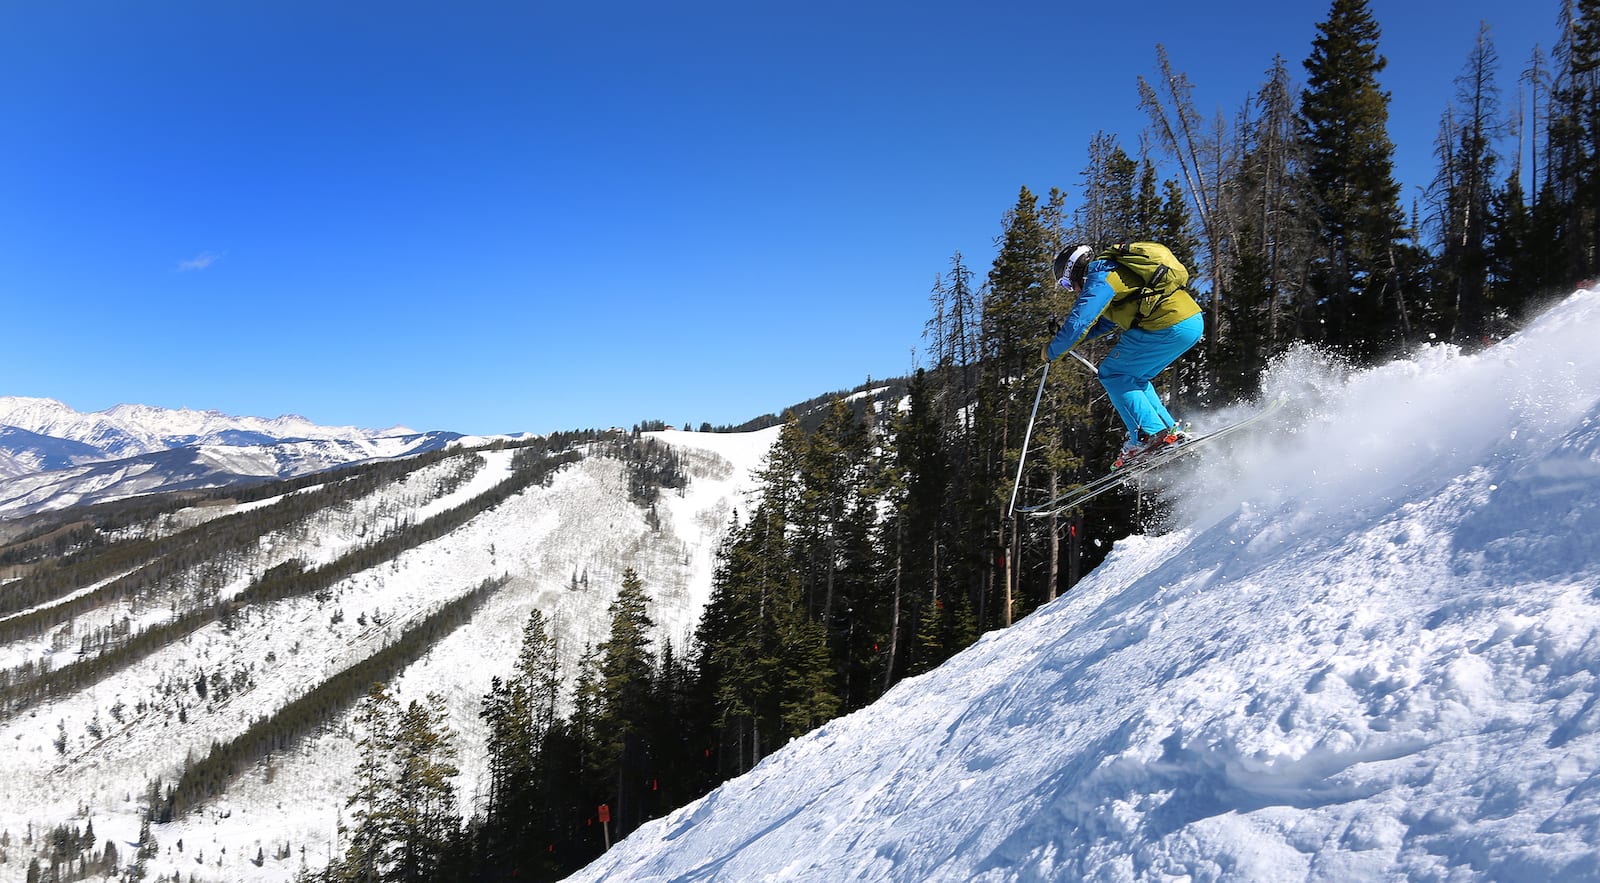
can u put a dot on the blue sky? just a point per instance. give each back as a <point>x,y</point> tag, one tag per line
<point>533,216</point>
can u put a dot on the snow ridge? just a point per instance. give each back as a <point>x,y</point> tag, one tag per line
<point>1365,650</point>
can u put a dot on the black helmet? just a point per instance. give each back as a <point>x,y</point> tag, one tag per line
<point>1072,266</point>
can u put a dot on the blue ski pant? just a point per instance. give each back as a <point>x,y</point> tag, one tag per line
<point>1137,358</point>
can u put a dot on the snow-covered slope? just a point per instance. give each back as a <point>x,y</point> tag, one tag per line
<point>22,452</point>
<point>91,755</point>
<point>52,456</point>
<point>1369,648</point>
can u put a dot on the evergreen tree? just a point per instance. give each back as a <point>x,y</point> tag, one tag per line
<point>403,818</point>
<point>863,613</point>
<point>586,723</point>
<point>733,646</point>
<point>912,535</point>
<point>809,698</point>
<point>627,671</point>
<point>1349,172</point>
<point>1512,256</point>
<point>1148,208</point>
<point>499,712</point>
<point>425,821</point>
<point>522,815</point>
<point>1109,211</point>
<point>931,648</point>
<point>830,480</point>
<point>538,670</point>
<point>954,333</point>
<point>371,827</point>
<point>576,777</point>
<point>1171,226</point>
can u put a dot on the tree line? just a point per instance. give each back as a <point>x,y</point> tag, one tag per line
<point>283,728</point>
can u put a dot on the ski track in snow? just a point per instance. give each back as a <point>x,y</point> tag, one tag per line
<point>1367,649</point>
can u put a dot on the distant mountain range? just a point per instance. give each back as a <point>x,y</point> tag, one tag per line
<point>52,456</point>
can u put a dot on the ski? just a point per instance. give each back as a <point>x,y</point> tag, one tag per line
<point>1110,482</point>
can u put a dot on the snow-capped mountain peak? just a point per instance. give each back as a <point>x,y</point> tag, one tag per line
<point>128,429</point>
<point>51,454</point>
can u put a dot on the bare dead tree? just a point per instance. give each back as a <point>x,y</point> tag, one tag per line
<point>1202,163</point>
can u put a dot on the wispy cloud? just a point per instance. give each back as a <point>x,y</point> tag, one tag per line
<point>199,262</point>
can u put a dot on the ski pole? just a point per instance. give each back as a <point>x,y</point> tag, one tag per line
<point>1026,437</point>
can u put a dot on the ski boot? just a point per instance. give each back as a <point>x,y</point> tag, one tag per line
<point>1135,451</point>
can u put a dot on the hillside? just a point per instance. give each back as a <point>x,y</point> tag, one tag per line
<point>187,624</point>
<point>1366,649</point>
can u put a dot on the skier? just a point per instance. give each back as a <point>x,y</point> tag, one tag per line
<point>1159,322</point>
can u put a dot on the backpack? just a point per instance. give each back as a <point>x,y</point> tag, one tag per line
<point>1163,274</point>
